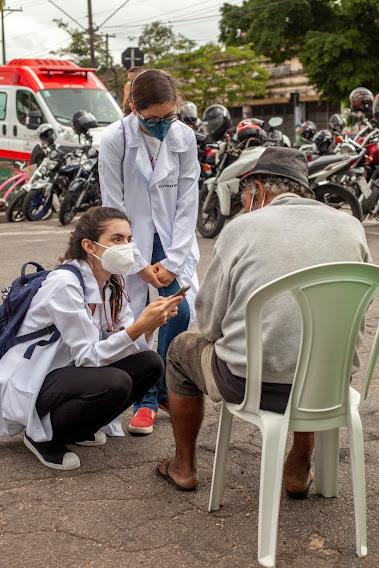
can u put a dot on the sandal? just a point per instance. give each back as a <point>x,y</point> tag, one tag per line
<point>167,477</point>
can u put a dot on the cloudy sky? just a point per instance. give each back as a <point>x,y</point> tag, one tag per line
<point>32,33</point>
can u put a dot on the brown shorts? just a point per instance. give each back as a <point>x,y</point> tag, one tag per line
<point>189,366</point>
<point>189,372</point>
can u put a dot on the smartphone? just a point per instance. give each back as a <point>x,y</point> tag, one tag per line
<point>182,292</point>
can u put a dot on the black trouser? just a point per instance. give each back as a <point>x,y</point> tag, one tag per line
<point>81,400</point>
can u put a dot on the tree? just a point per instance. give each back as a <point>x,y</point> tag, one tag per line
<point>275,28</point>
<point>78,51</point>
<point>340,60</point>
<point>158,41</point>
<point>212,74</point>
<point>336,40</point>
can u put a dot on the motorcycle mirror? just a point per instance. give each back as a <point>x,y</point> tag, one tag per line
<point>275,121</point>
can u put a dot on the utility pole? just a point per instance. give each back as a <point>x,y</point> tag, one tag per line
<point>91,34</point>
<point>107,36</point>
<point>9,11</point>
<point>91,30</point>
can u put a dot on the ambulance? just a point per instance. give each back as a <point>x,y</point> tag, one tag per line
<point>35,91</point>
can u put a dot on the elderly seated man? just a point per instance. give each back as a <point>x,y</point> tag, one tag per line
<point>284,230</point>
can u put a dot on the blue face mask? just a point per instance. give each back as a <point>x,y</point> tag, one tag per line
<point>159,131</point>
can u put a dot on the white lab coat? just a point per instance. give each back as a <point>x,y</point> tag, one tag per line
<point>84,342</point>
<point>163,200</point>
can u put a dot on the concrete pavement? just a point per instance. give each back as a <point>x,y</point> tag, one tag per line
<point>115,512</point>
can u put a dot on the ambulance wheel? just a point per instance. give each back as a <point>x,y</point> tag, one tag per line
<point>36,207</point>
<point>14,213</point>
<point>210,222</point>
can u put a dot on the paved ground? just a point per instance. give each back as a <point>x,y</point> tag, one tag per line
<point>114,512</point>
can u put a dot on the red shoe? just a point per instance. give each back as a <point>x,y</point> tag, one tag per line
<point>142,422</point>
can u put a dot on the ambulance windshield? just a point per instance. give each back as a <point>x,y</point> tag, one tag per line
<point>64,103</point>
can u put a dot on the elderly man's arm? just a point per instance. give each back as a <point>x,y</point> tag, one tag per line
<point>212,299</point>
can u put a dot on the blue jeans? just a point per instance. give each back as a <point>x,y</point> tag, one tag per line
<point>167,333</point>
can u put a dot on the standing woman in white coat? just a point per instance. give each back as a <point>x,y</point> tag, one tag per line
<point>97,362</point>
<point>149,169</point>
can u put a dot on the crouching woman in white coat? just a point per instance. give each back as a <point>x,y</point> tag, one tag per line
<point>70,389</point>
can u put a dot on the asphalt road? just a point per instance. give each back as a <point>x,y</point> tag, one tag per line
<point>114,511</point>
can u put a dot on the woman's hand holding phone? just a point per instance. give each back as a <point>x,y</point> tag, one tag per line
<point>154,315</point>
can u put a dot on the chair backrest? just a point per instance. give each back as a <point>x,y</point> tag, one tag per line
<point>332,299</point>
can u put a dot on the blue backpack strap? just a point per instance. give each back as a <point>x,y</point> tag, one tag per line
<point>51,328</point>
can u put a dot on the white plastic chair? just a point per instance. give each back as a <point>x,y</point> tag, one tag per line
<point>333,299</point>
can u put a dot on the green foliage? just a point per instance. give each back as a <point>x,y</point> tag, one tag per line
<point>158,41</point>
<point>275,28</point>
<point>336,40</point>
<point>78,49</point>
<point>340,60</point>
<point>113,76</point>
<point>213,74</point>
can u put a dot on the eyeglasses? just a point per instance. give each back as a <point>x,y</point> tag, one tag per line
<point>169,119</point>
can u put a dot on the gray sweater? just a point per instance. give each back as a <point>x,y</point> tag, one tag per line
<point>288,234</point>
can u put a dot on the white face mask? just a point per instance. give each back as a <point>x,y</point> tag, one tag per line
<point>117,259</point>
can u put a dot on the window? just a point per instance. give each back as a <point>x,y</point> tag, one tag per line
<point>3,105</point>
<point>28,110</point>
<point>64,103</point>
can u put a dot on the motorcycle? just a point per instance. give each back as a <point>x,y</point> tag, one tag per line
<point>46,191</point>
<point>275,137</point>
<point>326,175</point>
<point>206,153</point>
<point>212,214</point>
<point>220,196</point>
<point>84,190</point>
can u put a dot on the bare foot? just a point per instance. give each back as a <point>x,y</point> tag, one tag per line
<point>297,474</point>
<point>183,480</point>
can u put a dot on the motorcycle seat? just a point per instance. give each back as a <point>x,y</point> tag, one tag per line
<point>320,163</point>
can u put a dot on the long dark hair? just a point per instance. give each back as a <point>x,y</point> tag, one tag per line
<point>90,226</point>
<point>152,87</point>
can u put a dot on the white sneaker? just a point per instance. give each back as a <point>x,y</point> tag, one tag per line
<point>98,439</point>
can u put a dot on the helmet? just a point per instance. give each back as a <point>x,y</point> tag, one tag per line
<point>82,121</point>
<point>46,134</point>
<point>188,113</point>
<point>337,122</point>
<point>323,140</point>
<point>361,99</point>
<point>248,130</point>
<point>217,121</point>
<point>308,130</point>
<point>375,108</point>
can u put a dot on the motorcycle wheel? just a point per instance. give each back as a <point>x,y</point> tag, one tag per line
<point>339,197</point>
<point>68,208</point>
<point>368,204</point>
<point>36,207</point>
<point>14,213</point>
<point>209,223</point>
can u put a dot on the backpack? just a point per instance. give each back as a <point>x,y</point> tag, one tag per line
<point>17,299</point>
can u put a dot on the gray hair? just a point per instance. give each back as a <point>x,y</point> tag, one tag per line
<point>278,184</point>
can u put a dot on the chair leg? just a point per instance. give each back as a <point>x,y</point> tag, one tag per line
<point>359,480</point>
<point>327,460</point>
<point>274,434</point>
<point>220,459</point>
